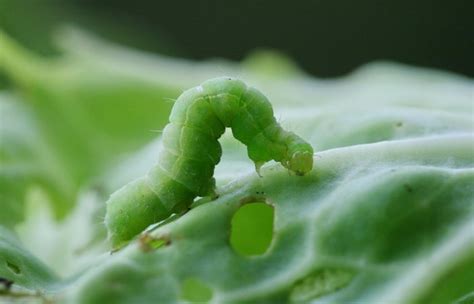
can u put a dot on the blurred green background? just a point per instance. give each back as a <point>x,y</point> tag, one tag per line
<point>327,38</point>
<point>76,128</point>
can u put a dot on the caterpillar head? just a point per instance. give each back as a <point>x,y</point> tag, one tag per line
<point>301,162</point>
<point>299,156</point>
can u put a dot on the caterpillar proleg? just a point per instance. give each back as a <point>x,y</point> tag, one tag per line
<point>190,151</point>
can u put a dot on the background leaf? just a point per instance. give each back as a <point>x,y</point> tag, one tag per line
<point>386,215</point>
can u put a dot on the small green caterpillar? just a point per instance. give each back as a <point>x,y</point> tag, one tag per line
<point>190,151</point>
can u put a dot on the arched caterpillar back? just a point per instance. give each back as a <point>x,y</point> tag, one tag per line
<point>190,151</point>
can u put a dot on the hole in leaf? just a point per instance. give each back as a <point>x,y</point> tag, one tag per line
<point>13,268</point>
<point>194,290</point>
<point>252,229</point>
<point>319,283</point>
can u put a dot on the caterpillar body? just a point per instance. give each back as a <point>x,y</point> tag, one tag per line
<point>190,150</point>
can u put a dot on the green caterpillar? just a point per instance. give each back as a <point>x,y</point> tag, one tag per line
<point>190,151</point>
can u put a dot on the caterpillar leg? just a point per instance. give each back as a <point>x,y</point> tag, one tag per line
<point>258,166</point>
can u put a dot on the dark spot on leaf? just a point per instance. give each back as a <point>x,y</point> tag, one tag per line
<point>13,268</point>
<point>399,124</point>
<point>99,188</point>
<point>408,188</point>
<point>319,283</point>
<point>149,243</point>
<point>6,283</point>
